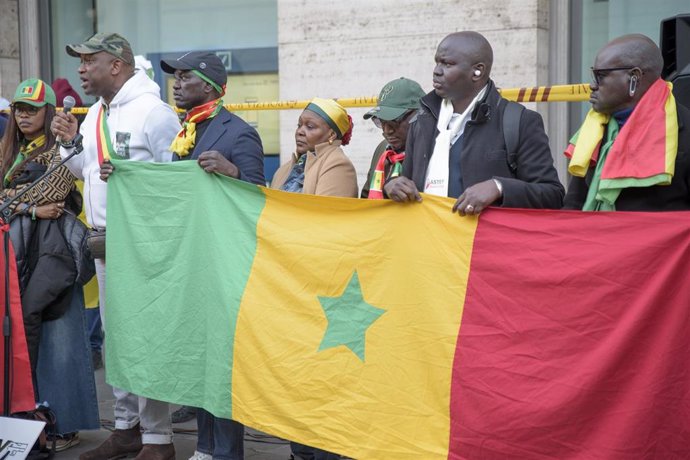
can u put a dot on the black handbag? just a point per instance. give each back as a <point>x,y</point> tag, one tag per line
<point>96,243</point>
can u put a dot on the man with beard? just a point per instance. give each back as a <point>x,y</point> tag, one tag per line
<point>221,143</point>
<point>129,121</point>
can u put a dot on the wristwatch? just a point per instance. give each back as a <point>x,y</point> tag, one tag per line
<point>67,145</point>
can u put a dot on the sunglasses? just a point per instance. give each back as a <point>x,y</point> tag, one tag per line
<point>393,124</point>
<point>25,108</point>
<point>598,74</point>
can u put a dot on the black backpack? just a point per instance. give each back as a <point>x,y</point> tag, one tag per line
<point>512,115</point>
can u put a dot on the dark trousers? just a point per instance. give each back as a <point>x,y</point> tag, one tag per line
<point>311,453</point>
<point>219,437</point>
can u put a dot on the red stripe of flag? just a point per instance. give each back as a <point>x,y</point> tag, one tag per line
<point>21,389</point>
<point>574,339</point>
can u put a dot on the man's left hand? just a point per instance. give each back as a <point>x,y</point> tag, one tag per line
<point>107,169</point>
<point>477,198</point>
<point>212,161</point>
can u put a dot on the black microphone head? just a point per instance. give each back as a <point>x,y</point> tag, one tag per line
<point>68,102</point>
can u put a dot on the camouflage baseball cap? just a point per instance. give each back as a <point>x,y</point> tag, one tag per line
<point>114,44</point>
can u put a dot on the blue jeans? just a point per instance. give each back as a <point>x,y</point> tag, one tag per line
<point>93,321</point>
<point>64,373</point>
<point>219,437</point>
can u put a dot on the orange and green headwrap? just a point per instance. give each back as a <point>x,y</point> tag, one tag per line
<point>334,114</point>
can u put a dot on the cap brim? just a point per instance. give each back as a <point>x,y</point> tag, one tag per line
<point>78,50</point>
<point>385,113</point>
<point>30,102</point>
<point>171,65</point>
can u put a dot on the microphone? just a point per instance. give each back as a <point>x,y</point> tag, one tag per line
<point>67,104</point>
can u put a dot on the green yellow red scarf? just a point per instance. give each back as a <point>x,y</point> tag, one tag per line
<point>24,151</point>
<point>104,145</point>
<point>184,141</point>
<point>643,153</point>
<point>377,181</point>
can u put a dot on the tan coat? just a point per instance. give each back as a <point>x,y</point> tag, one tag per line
<point>327,172</point>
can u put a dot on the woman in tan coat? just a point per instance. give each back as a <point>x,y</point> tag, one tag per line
<point>319,166</point>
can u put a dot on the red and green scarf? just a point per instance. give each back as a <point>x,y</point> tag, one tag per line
<point>379,178</point>
<point>184,141</point>
<point>643,153</point>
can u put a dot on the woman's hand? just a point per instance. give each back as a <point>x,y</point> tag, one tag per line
<point>50,211</point>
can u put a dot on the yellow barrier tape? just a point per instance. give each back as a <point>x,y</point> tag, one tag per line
<point>557,93</point>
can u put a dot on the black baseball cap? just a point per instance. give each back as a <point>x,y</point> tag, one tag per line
<point>205,62</point>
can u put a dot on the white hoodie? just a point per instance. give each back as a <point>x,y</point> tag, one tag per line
<point>142,127</point>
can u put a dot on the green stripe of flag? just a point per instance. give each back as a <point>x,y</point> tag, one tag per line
<point>153,236</point>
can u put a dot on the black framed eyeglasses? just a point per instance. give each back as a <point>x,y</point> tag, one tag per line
<point>393,124</point>
<point>598,74</point>
<point>25,108</point>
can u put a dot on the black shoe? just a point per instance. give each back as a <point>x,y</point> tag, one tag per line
<point>183,414</point>
<point>96,359</point>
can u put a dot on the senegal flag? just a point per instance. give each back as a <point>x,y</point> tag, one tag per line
<point>385,331</point>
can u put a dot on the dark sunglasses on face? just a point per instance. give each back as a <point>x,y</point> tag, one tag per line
<point>25,108</point>
<point>598,74</point>
<point>394,124</point>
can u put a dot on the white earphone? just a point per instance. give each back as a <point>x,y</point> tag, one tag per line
<point>477,72</point>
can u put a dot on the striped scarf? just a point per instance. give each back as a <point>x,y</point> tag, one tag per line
<point>24,151</point>
<point>184,141</point>
<point>644,152</point>
<point>377,181</point>
<point>104,145</point>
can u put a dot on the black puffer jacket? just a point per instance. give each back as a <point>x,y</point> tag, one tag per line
<point>51,259</point>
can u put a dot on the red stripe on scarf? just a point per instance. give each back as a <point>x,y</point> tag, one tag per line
<point>640,148</point>
<point>376,190</point>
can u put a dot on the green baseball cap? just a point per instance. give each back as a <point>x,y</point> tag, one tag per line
<point>396,98</point>
<point>34,92</point>
<point>113,44</point>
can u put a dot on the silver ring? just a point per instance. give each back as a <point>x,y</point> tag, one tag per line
<point>469,208</point>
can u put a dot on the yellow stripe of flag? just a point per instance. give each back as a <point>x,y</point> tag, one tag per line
<point>387,393</point>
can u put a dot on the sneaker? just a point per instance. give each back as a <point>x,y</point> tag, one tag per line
<point>200,456</point>
<point>121,443</point>
<point>65,441</point>
<point>183,414</point>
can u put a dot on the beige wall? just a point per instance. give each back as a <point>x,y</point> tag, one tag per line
<point>9,48</point>
<point>351,49</point>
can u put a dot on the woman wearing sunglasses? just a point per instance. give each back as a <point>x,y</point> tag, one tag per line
<point>46,236</point>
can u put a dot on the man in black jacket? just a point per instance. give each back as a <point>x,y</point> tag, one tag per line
<point>221,143</point>
<point>456,147</point>
<point>631,169</point>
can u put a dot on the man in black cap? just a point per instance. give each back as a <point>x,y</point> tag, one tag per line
<point>222,143</point>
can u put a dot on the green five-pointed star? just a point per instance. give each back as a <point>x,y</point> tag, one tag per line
<point>349,316</point>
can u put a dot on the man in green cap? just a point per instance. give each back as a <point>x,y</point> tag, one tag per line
<point>398,102</point>
<point>134,124</point>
